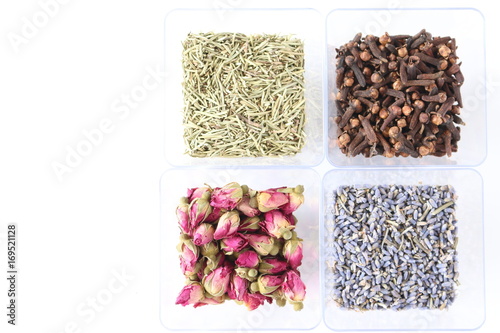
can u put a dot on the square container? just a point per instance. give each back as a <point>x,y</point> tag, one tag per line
<point>468,310</point>
<point>466,26</point>
<point>231,316</point>
<point>305,24</point>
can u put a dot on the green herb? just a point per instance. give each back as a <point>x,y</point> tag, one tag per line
<point>243,95</point>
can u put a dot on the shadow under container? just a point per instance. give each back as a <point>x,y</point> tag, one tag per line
<point>230,316</point>
<point>466,25</point>
<point>467,312</point>
<point>305,24</point>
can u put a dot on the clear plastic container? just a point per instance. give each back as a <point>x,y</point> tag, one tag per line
<point>466,26</point>
<point>231,316</point>
<point>468,310</point>
<point>305,24</point>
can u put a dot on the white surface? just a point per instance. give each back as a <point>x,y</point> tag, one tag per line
<point>89,244</point>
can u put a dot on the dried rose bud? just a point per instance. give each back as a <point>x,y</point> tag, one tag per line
<point>254,300</point>
<point>277,225</point>
<point>182,213</point>
<point>211,300</point>
<point>233,244</point>
<point>199,210</point>
<point>237,287</point>
<point>215,261</point>
<point>272,266</point>
<point>188,258</point>
<point>248,259</point>
<point>262,244</point>
<point>198,192</point>
<point>295,199</point>
<point>249,274</point>
<point>248,206</point>
<point>269,283</point>
<point>209,249</point>
<point>190,294</point>
<point>293,287</point>
<point>292,251</point>
<point>250,224</point>
<point>203,234</point>
<point>227,197</point>
<point>217,282</point>
<point>271,199</point>
<point>228,225</point>
<point>214,215</point>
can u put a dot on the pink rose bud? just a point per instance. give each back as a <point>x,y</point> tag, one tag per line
<point>190,294</point>
<point>293,287</point>
<point>227,197</point>
<point>292,251</point>
<point>209,249</point>
<point>269,283</point>
<point>215,261</point>
<point>188,260</point>
<point>203,234</point>
<point>233,244</point>
<point>217,282</point>
<point>237,288</point>
<point>250,224</point>
<point>211,301</point>
<point>262,244</point>
<point>182,213</point>
<point>248,206</point>
<point>295,199</point>
<point>228,225</point>
<point>248,259</point>
<point>271,199</point>
<point>198,192</point>
<point>277,225</point>
<point>254,300</point>
<point>214,215</point>
<point>199,210</point>
<point>272,266</point>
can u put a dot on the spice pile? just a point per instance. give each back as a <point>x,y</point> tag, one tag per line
<point>240,244</point>
<point>398,96</point>
<point>243,95</point>
<point>392,247</point>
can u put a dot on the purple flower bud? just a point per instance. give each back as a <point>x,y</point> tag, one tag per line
<point>237,288</point>
<point>199,210</point>
<point>248,206</point>
<point>203,234</point>
<point>248,259</point>
<point>254,300</point>
<point>269,283</point>
<point>292,251</point>
<point>233,244</point>
<point>271,199</point>
<point>182,213</point>
<point>190,294</point>
<point>262,244</point>
<point>228,225</point>
<point>250,224</point>
<point>227,197</point>
<point>295,199</point>
<point>277,225</point>
<point>293,287</point>
<point>272,266</point>
<point>217,282</point>
<point>198,192</point>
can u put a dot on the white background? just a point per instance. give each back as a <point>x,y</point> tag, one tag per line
<point>102,219</point>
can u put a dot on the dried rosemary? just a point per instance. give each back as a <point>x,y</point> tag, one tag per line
<point>243,95</point>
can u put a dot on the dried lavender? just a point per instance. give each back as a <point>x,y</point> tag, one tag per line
<point>392,247</point>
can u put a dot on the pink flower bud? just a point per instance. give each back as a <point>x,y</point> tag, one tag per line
<point>248,206</point>
<point>276,224</point>
<point>211,301</point>
<point>214,215</point>
<point>227,197</point>
<point>234,243</point>
<point>293,287</point>
<point>237,288</point>
<point>182,213</point>
<point>262,244</point>
<point>292,251</point>
<point>215,261</point>
<point>271,199</point>
<point>272,266</point>
<point>295,199</point>
<point>250,224</point>
<point>198,192</point>
<point>203,234</point>
<point>253,301</point>
<point>190,294</point>
<point>228,225</point>
<point>188,259</point>
<point>248,259</point>
<point>217,282</point>
<point>269,283</point>
<point>199,210</point>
